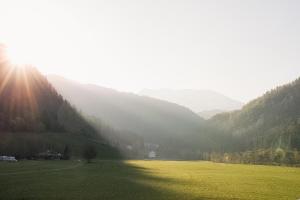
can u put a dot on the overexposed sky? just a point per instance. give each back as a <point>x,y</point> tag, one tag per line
<point>238,48</point>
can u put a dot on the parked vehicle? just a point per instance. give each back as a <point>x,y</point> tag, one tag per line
<point>8,158</point>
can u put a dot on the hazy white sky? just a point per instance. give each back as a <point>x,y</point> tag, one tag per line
<point>238,48</point>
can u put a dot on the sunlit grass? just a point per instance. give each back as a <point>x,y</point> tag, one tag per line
<point>226,181</point>
<point>146,180</point>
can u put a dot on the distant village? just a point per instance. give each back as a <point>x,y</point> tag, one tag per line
<point>150,153</point>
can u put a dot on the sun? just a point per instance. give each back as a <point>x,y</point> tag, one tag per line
<point>17,57</point>
<point>20,55</point>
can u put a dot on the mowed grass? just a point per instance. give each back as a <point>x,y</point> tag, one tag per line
<point>146,180</point>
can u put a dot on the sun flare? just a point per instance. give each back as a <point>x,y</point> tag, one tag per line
<point>16,57</point>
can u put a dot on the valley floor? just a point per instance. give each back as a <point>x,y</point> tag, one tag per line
<point>146,180</point>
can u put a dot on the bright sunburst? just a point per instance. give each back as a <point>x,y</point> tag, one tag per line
<point>17,57</point>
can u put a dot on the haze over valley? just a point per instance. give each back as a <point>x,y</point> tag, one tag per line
<point>204,102</point>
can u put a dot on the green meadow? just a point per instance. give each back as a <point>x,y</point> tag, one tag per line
<point>146,180</point>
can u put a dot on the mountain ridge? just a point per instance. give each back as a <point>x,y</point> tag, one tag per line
<point>196,100</point>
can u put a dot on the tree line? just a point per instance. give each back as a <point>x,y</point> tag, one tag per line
<point>269,156</point>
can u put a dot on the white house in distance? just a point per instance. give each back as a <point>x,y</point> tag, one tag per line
<point>151,150</point>
<point>129,147</point>
<point>152,154</point>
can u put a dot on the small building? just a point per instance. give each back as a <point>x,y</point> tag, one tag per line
<point>151,150</point>
<point>152,154</point>
<point>50,155</point>
<point>8,158</point>
<point>129,147</point>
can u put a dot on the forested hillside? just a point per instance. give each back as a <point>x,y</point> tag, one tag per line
<point>30,105</point>
<point>269,124</point>
<point>272,120</point>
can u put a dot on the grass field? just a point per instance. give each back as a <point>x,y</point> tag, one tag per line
<point>146,180</point>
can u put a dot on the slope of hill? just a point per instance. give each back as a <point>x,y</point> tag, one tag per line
<point>207,114</point>
<point>159,122</point>
<point>30,105</point>
<point>196,100</point>
<point>272,120</point>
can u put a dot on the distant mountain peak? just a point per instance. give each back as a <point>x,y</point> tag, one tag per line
<point>196,100</point>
